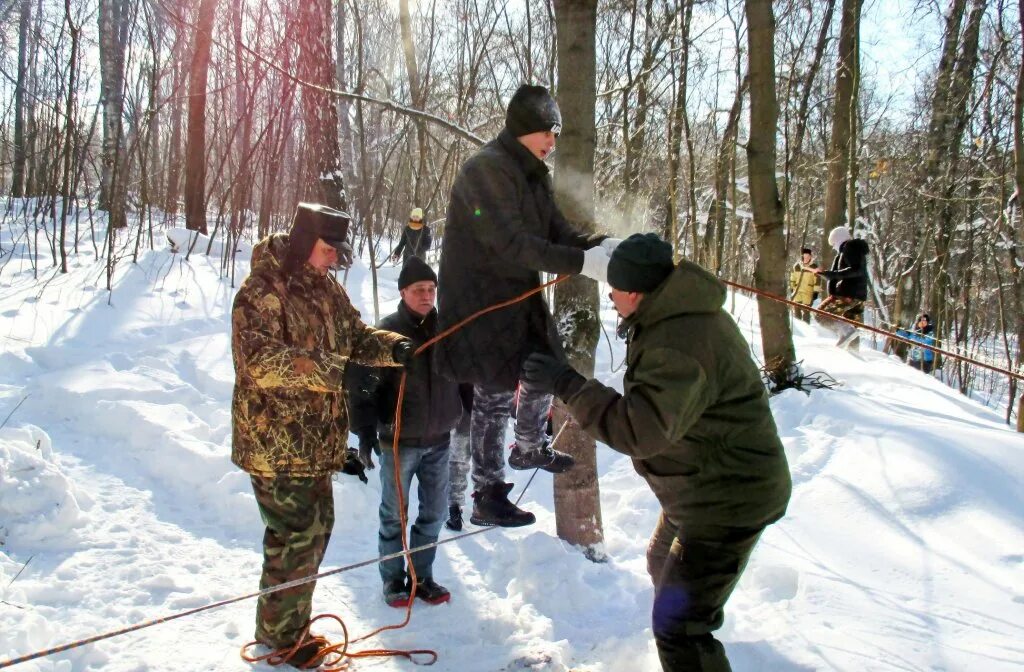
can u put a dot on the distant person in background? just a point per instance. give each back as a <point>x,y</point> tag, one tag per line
<point>922,332</point>
<point>415,240</point>
<point>804,283</point>
<point>293,334</point>
<point>847,285</point>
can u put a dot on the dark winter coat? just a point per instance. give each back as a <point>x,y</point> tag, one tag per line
<point>924,336</point>
<point>292,336</point>
<point>503,229</point>
<point>414,242</point>
<point>431,406</point>
<point>693,413</point>
<point>848,276</point>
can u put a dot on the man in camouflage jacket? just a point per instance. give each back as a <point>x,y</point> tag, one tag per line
<point>294,331</point>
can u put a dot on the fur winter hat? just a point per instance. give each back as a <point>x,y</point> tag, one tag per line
<point>640,263</point>
<point>838,236</point>
<point>532,109</point>
<point>313,221</point>
<point>415,270</point>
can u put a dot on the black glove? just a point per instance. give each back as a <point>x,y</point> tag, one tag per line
<point>545,373</point>
<point>368,444</point>
<point>403,353</point>
<point>353,467</point>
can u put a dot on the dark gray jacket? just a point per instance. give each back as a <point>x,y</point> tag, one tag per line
<point>503,229</point>
<point>848,276</point>
<point>431,406</point>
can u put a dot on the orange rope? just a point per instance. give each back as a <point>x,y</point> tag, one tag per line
<point>883,332</point>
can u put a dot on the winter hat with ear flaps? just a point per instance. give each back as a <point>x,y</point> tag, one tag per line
<point>415,270</point>
<point>532,109</point>
<point>313,221</point>
<point>640,263</point>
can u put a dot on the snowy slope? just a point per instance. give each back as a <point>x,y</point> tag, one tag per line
<point>903,548</point>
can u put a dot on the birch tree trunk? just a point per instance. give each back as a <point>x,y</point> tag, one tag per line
<point>18,168</point>
<point>113,34</point>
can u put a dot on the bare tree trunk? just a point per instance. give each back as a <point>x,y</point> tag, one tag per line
<point>1015,252</point>
<point>18,169</point>
<point>416,96</point>
<point>714,234</point>
<point>843,114</point>
<point>577,495</point>
<point>678,124</point>
<point>195,142</point>
<point>113,33</point>
<point>769,273</point>
<point>316,66</point>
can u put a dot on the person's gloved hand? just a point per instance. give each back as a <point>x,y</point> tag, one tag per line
<point>595,263</point>
<point>403,353</point>
<point>548,374</point>
<point>353,466</point>
<point>368,444</point>
<point>609,244</point>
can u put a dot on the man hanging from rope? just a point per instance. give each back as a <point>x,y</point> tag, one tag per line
<point>293,332</point>
<point>694,416</point>
<point>503,229</point>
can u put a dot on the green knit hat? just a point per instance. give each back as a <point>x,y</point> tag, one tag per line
<point>640,263</point>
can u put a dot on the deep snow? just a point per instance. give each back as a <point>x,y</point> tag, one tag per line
<point>903,548</point>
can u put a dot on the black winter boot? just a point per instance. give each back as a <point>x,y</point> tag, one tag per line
<point>545,457</point>
<point>431,591</point>
<point>396,593</point>
<point>454,521</point>
<point>491,506</point>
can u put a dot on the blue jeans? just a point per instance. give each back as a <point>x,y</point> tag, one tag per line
<point>430,466</point>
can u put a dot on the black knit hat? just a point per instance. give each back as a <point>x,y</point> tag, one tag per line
<point>640,263</point>
<point>313,221</point>
<point>415,270</point>
<point>532,109</point>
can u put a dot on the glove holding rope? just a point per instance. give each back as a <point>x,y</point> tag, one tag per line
<point>354,466</point>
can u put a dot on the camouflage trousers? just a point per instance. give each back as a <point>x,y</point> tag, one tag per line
<point>299,515</point>
<point>491,411</point>
<point>694,575</point>
<point>851,309</point>
<point>459,461</point>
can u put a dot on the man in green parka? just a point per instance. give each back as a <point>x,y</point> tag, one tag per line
<point>694,416</point>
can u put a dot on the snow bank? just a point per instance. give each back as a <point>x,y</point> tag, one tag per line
<point>38,504</point>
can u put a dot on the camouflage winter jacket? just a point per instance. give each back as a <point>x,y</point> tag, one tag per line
<point>291,339</point>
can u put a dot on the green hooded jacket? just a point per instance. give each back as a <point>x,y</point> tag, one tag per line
<point>693,413</point>
<point>292,337</point>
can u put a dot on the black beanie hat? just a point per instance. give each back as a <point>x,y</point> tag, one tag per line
<point>415,270</point>
<point>640,263</point>
<point>532,109</point>
<point>313,221</point>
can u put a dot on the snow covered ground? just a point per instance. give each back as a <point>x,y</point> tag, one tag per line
<point>903,548</point>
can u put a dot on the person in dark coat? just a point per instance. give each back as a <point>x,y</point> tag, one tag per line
<point>693,415</point>
<point>430,409</point>
<point>415,240</point>
<point>922,332</point>
<point>503,229</point>
<point>846,284</point>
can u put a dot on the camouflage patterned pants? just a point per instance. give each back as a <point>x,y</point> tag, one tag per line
<point>299,515</point>
<point>459,461</point>
<point>491,411</point>
<point>851,309</point>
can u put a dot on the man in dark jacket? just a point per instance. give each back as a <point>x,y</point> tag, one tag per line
<point>847,285</point>
<point>430,409</point>
<point>293,333</point>
<point>503,229</point>
<point>415,240</point>
<point>694,416</point>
